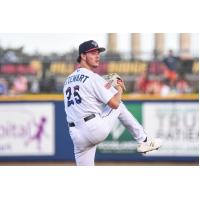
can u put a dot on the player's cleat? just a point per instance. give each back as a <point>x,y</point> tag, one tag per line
<point>148,145</point>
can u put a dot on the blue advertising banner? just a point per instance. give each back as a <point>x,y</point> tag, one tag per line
<point>37,131</point>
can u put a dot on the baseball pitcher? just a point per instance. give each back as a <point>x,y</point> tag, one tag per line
<point>92,105</point>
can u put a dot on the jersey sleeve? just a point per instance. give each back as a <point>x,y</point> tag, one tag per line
<point>102,92</point>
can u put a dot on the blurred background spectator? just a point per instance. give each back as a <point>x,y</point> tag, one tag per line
<point>171,66</point>
<point>20,85</point>
<point>142,83</point>
<point>3,86</point>
<point>182,85</point>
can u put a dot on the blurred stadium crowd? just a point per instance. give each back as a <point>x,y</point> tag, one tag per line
<point>22,73</point>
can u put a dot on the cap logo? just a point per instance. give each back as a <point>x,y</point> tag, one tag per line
<point>94,43</point>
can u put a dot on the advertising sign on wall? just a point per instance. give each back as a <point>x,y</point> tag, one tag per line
<point>27,129</point>
<point>176,124</point>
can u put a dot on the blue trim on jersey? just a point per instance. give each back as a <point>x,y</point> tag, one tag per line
<point>108,114</point>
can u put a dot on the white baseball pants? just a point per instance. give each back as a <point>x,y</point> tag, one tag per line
<point>86,135</point>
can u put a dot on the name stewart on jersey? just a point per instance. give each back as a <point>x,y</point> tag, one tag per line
<point>76,78</point>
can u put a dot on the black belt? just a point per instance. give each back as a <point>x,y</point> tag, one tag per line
<point>71,124</point>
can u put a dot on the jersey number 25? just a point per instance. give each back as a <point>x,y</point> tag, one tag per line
<point>75,97</point>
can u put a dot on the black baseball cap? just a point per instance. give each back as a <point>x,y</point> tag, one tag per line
<point>88,46</point>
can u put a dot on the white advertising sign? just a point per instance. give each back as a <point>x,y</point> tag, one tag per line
<point>27,129</point>
<point>176,124</point>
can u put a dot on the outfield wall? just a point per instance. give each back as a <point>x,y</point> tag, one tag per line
<point>33,128</point>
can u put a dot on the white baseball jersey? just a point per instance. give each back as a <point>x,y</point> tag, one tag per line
<point>85,93</point>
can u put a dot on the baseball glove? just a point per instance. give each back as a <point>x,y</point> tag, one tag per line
<point>114,79</point>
